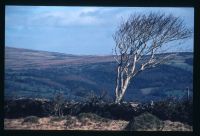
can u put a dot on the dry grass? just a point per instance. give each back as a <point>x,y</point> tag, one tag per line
<point>69,123</point>
<point>176,126</point>
<point>84,122</point>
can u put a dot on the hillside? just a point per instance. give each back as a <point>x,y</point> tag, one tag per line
<point>30,73</point>
<point>20,59</point>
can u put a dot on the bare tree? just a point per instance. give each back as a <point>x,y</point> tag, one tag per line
<point>58,103</point>
<point>141,43</point>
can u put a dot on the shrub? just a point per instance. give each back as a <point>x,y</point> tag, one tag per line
<point>57,118</point>
<point>70,121</point>
<point>31,119</point>
<point>175,110</point>
<point>145,121</point>
<point>58,104</point>
<point>94,98</point>
<point>83,116</point>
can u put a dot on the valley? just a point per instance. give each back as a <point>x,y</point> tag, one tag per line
<point>39,74</point>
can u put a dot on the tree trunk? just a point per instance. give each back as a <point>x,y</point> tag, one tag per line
<point>117,83</point>
<point>121,91</point>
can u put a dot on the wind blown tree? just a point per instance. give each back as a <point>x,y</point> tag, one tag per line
<point>141,43</point>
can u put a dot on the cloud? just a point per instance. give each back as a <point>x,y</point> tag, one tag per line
<point>41,16</point>
<point>68,28</point>
<point>30,16</point>
<point>66,18</point>
<point>50,17</point>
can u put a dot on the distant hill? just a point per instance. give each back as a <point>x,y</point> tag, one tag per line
<point>19,59</point>
<point>30,73</point>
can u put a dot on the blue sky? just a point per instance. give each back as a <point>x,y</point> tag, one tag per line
<point>75,30</point>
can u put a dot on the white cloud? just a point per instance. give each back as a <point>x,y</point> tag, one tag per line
<point>38,26</point>
<point>65,18</point>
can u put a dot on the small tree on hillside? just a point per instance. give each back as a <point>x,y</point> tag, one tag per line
<point>58,103</point>
<point>139,40</point>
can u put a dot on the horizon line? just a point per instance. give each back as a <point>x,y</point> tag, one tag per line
<point>87,54</point>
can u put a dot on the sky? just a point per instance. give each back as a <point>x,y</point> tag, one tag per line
<point>76,30</point>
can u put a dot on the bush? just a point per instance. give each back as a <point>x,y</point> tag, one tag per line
<point>24,107</point>
<point>58,104</point>
<point>94,98</point>
<point>145,121</point>
<point>174,110</point>
<point>88,115</point>
<point>31,119</point>
<point>57,118</point>
<point>84,116</point>
<point>70,121</point>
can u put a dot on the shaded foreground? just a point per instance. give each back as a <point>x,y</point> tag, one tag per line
<point>37,114</point>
